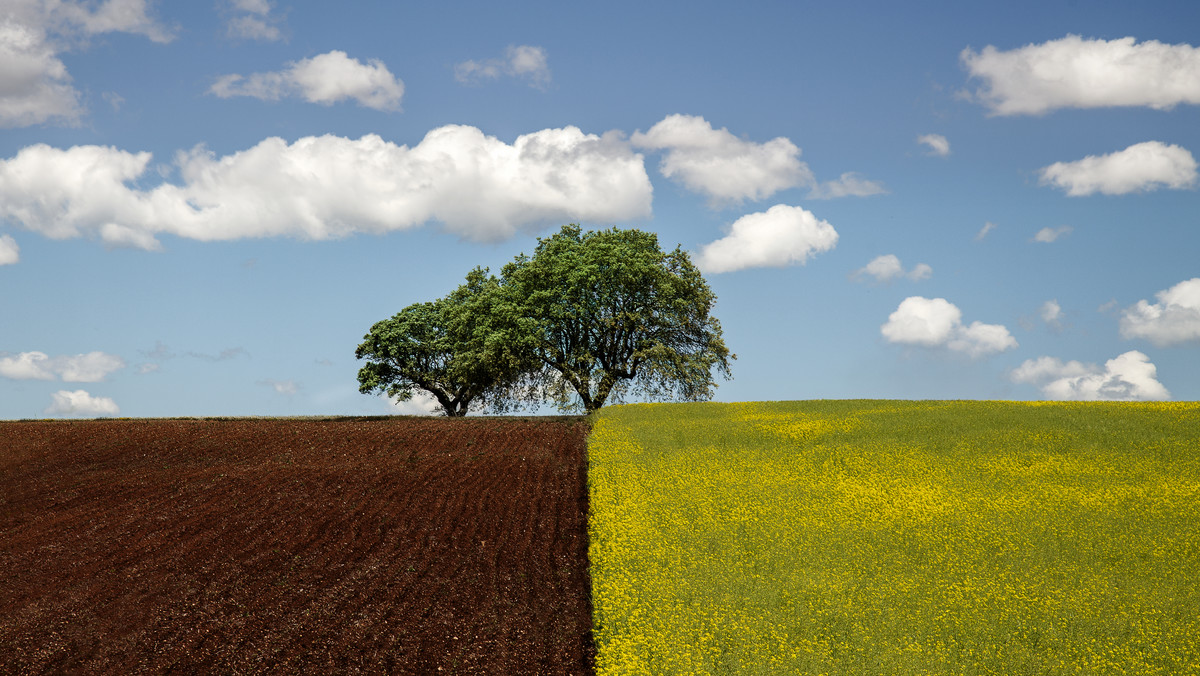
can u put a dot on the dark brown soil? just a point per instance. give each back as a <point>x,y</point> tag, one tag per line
<point>403,545</point>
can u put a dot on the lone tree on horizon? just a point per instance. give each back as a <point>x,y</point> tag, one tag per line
<point>609,313</point>
<point>587,319</point>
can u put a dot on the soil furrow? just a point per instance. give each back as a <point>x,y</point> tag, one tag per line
<point>319,546</point>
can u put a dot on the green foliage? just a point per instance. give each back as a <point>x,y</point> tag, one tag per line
<point>450,347</point>
<point>609,313</point>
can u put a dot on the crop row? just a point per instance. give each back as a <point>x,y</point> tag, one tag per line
<point>896,537</point>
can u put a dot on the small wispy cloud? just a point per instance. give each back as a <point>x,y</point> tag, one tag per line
<point>285,387</point>
<point>936,144</point>
<point>887,268</point>
<point>525,62</point>
<point>1052,313</point>
<point>1048,235</point>
<point>983,232</point>
<point>253,20</point>
<point>225,355</point>
<point>849,184</point>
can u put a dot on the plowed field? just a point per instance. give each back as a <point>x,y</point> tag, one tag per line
<point>400,545</point>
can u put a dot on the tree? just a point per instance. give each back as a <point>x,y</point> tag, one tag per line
<point>449,348</point>
<point>603,314</point>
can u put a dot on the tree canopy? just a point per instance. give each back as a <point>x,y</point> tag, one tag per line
<point>609,313</point>
<point>589,318</point>
<point>450,348</point>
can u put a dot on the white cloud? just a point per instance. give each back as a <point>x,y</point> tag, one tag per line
<point>326,187</point>
<point>80,402</point>
<point>920,271</point>
<point>887,268</point>
<point>718,164</point>
<point>325,79</point>
<point>27,366</point>
<point>288,387</point>
<point>88,368</point>
<point>1141,167</point>
<point>936,322</point>
<point>1043,369</point>
<point>1175,318</point>
<point>34,84</point>
<point>252,20</point>
<point>782,235</point>
<point>421,403</point>
<point>849,184</point>
<point>1047,235</point>
<point>983,232</point>
<point>111,16</point>
<point>10,253</point>
<point>1072,72</point>
<point>937,144</point>
<point>520,61</point>
<point>35,87</point>
<point>1129,377</point>
<point>81,368</point>
<point>1052,313</point>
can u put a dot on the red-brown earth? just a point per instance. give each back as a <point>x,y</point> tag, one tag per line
<point>399,545</point>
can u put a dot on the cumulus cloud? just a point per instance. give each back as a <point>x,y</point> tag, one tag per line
<point>782,235</point>
<point>936,143</point>
<point>1073,72</point>
<point>325,79</point>
<point>983,232</point>
<point>34,84</point>
<point>1129,377</point>
<point>716,163</point>
<point>9,251</point>
<point>849,184</point>
<point>730,170</point>
<point>887,269</point>
<point>1048,235</point>
<point>326,187</point>
<point>79,402</point>
<point>81,368</point>
<point>35,87</point>
<point>520,61</point>
<point>252,20</point>
<point>937,323</point>
<point>1141,167</point>
<point>1175,318</point>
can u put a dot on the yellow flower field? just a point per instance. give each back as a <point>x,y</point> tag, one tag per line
<point>892,537</point>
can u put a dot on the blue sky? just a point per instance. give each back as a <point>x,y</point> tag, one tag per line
<point>205,205</point>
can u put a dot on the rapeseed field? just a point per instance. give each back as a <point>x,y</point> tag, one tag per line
<point>894,537</point>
